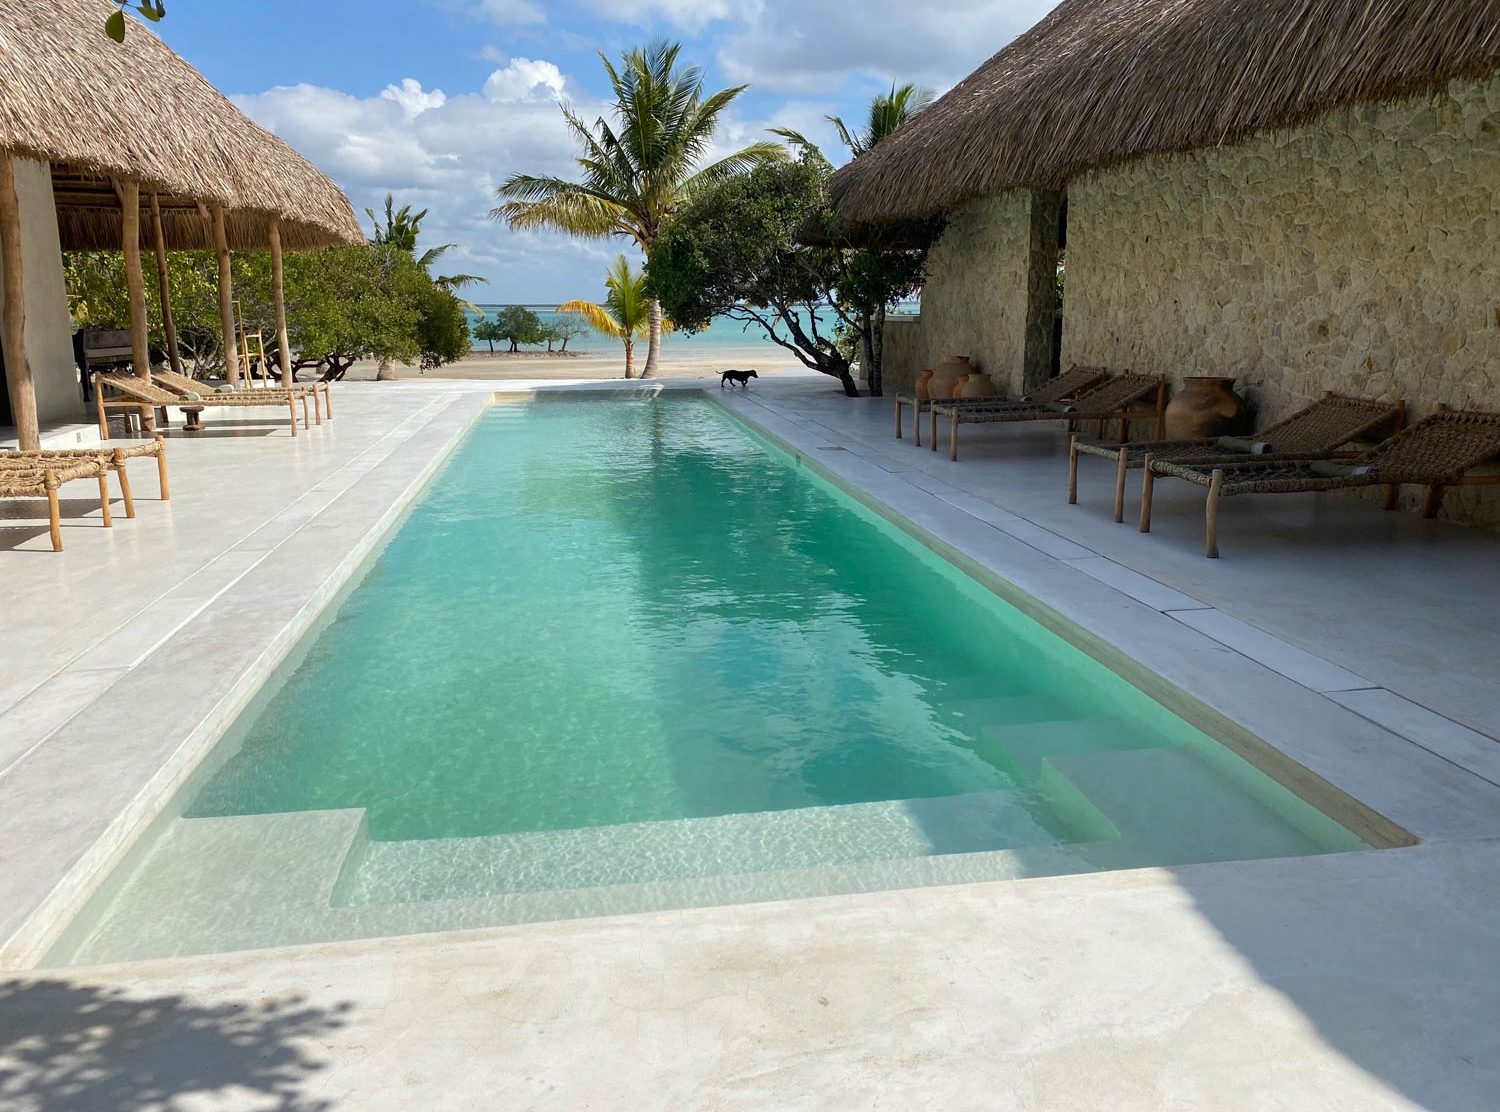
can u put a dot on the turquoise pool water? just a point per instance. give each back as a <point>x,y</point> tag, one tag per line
<point>623,654</point>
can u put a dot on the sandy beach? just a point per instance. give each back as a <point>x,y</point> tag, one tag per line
<point>596,364</point>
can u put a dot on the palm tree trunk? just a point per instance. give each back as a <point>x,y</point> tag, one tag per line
<point>653,340</point>
<point>630,358</point>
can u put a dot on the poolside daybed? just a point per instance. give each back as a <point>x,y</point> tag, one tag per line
<point>1436,452</point>
<point>1109,401</point>
<point>1319,429</point>
<point>132,393</point>
<point>320,392</point>
<point>23,478</point>
<point>1072,382</point>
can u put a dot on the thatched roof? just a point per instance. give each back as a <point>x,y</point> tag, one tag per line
<point>97,109</point>
<point>1100,81</point>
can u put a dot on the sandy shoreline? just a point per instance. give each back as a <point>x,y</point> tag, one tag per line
<point>502,367</point>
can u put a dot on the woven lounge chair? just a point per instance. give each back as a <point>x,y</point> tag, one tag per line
<point>112,458</point>
<point>1316,430</point>
<point>1072,382</point>
<point>132,393</point>
<point>1110,400</point>
<point>322,396</point>
<point>1436,452</point>
<point>20,478</point>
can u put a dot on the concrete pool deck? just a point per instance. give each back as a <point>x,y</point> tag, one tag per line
<point>1363,649</point>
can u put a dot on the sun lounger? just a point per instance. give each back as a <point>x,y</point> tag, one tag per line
<point>113,458</point>
<point>320,392</point>
<point>133,393</point>
<point>1436,452</point>
<point>1110,400</point>
<point>20,478</point>
<point>1075,380</point>
<point>1316,430</point>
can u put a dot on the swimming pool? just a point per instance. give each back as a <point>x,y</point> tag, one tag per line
<point>625,655</point>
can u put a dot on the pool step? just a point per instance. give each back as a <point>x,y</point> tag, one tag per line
<point>1022,748</point>
<point>1167,806</point>
<point>637,853</point>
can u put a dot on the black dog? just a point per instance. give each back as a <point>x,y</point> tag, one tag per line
<point>742,377</point>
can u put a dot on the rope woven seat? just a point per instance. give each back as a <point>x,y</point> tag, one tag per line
<point>1109,400</point>
<point>22,478</point>
<point>321,394</point>
<point>1071,382</point>
<point>1436,452</point>
<point>112,457</point>
<point>1319,429</point>
<point>133,392</point>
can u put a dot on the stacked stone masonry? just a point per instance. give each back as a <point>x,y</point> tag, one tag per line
<point>1360,253</point>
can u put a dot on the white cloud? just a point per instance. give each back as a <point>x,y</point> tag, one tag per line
<point>412,98</point>
<point>525,80</point>
<point>507,13</point>
<point>447,153</point>
<point>811,46</point>
<point>685,15</point>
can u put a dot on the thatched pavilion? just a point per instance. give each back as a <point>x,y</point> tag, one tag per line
<point>1304,194</point>
<point>126,146</point>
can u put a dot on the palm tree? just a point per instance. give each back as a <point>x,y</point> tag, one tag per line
<point>888,111</point>
<point>638,166</point>
<point>627,313</point>
<point>400,230</point>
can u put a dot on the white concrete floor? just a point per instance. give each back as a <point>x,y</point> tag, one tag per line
<point>1362,649</point>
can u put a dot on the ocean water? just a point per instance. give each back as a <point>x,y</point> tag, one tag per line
<point>623,655</point>
<point>723,338</point>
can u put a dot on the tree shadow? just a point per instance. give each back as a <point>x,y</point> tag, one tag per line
<point>82,1047</point>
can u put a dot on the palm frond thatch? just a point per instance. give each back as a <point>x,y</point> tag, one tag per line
<point>97,110</point>
<point>1098,82</point>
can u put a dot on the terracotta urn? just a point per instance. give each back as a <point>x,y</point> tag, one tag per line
<point>924,380</point>
<point>978,385</point>
<point>1206,406</point>
<point>945,379</point>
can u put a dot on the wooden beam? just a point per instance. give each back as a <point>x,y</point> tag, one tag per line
<point>17,365</point>
<point>226,297</point>
<point>135,288</point>
<point>278,299</point>
<point>169,326</point>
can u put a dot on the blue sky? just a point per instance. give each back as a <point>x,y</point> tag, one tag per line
<point>438,100</point>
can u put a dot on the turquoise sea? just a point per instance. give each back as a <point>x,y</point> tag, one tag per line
<point>723,338</point>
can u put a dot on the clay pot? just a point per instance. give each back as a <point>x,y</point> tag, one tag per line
<point>1205,407</point>
<point>945,379</point>
<point>978,385</point>
<point>924,380</point>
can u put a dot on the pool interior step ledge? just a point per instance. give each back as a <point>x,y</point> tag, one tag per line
<point>241,882</point>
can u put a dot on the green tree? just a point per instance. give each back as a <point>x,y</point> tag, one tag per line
<point>640,165</point>
<point>443,327</point>
<point>488,330</point>
<point>518,325</point>
<point>877,278</point>
<point>348,302</point>
<point>733,251</point>
<point>627,312</point>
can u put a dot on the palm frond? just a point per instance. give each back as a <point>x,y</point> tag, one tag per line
<point>596,315</point>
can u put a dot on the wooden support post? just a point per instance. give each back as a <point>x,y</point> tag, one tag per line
<point>899,403</point>
<point>17,365</point>
<point>135,288</point>
<point>953,436</point>
<point>278,299</point>
<point>169,326</point>
<point>1121,466</point>
<point>54,512</point>
<point>226,297</point>
<point>916,422</point>
<point>1073,469</point>
<point>1148,482</point>
<point>1211,515</point>
<point>117,461</point>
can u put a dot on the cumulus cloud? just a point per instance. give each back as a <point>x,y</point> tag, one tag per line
<point>447,153</point>
<point>507,13</point>
<point>811,46</point>
<point>685,15</point>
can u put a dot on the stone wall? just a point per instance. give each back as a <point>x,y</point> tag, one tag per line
<point>988,295</point>
<point>1360,253</point>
